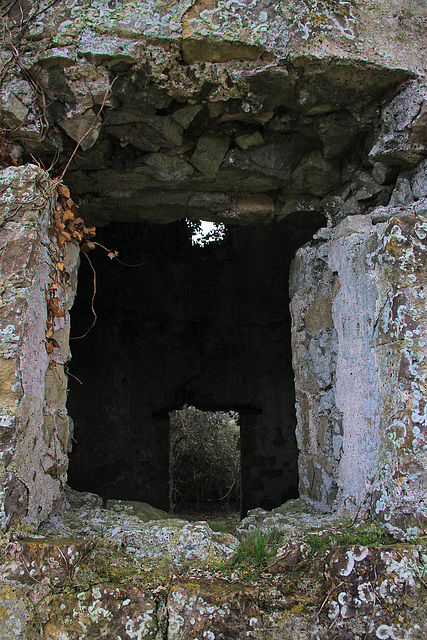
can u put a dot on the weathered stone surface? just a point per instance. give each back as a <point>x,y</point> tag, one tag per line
<point>257,206</point>
<point>167,168</point>
<point>176,542</point>
<point>142,510</point>
<point>246,140</point>
<point>209,154</point>
<point>34,420</point>
<point>384,173</point>
<point>337,132</point>
<point>107,610</point>
<point>151,134</point>
<point>402,139</point>
<point>315,175</point>
<point>50,561</point>
<point>209,608</point>
<point>300,208</point>
<point>82,127</point>
<point>373,275</point>
<point>208,69</point>
<point>111,592</point>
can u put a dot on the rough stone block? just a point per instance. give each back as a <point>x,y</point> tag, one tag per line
<point>53,561</point>
<point>337,131</point>
<point>315,175</point>
<point>82,125</point>
<point>247,140</point>
<point>209,154</point>
<point>211,608</point>
<point>109,610</point>
<point>257,207</point>
<point>168,168</point>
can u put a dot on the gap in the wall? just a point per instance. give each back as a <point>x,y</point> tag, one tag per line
<point>204,326</point>
<point>204,464</point>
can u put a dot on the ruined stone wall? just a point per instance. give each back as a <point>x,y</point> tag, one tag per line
<point>34,423</point>
<point>245,113</point>
<point>359,315</point>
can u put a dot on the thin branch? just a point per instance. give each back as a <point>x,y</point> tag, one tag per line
<point>95,317</point>
<point>67,371</point>
<point>324,602</point>
<point>114,257</point>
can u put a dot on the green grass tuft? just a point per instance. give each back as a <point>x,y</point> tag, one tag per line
<point>365,534</point>
<point>257,549</point>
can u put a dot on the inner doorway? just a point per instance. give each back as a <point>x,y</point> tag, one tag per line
<point>204,463</point>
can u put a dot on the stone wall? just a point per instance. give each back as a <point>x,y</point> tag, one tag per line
<point>34,423</point>
<point>256,114</point>
<point>358,307</point>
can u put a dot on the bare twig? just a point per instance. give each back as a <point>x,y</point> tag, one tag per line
<point>324,602</point>
<point>415,568</point>
<point>95,317</point>
<point>114,257</point>
<point>27,570</point>
<point>67,373</point>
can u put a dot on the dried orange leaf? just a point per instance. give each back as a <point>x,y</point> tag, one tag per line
<point>68,215</point>
<point>112,254</point>
<point>49,347</point>
<point>64,191</point>
<point>87,246</point>
<point>59,226</point>
<point>90,232</point>
<point>60,266</point>
<point>64,236</point>
<point>49,334</point>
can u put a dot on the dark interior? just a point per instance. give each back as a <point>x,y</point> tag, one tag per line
<point>207,326</point>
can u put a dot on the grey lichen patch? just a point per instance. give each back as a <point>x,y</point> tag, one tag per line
<point>111,591</point>
<point>33,452</point>
<point>118,610</point>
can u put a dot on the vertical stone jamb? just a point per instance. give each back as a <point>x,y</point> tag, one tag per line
<point>33,421</point>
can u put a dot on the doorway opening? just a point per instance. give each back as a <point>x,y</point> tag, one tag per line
<point>204,326</point>
<point>204,463</point>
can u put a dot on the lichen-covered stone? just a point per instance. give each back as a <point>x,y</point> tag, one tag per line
<point>211,609</point>
<point>402,139</point>
<point>359,403</point>
<point>34,421</point>
<point>44,560</point>
<point>107,610</point>
<point>142,510</point>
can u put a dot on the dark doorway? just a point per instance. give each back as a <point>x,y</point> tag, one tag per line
<point>205,326</point>
<point>204,463</point>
